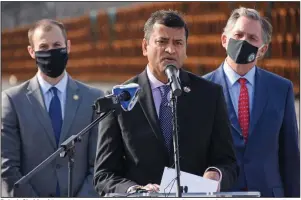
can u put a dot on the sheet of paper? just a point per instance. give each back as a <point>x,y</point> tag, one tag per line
<point>195,184</point>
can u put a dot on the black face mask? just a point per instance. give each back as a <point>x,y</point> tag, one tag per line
<point>241,51</point>
<point>52,62</point>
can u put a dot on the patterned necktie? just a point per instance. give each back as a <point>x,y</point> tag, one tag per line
<point>243,108</point>
<point>55,112</point>
<point>165,116</point>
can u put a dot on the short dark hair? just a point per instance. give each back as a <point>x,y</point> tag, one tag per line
<point>169,18</point>
<point>46,24</point>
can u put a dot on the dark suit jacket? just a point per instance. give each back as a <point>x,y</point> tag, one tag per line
<point>27,139</point>
<point>270,161</point>
<point>130,148</point>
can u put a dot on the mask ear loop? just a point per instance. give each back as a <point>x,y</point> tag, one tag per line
<point>259,50</point>
<point>66,46</point>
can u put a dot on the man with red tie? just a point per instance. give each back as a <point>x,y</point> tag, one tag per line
<point>261,109</point>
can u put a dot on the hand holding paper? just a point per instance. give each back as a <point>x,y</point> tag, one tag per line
<point>151,187</point>
<point>195,184</point>
<point>213,175</point>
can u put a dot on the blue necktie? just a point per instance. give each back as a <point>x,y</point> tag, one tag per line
<point>55,113</point>
<point>165,116</point>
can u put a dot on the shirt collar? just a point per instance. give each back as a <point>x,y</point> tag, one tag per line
<point>45,86</point>
<point>233,76</point>
<point>154,82</point>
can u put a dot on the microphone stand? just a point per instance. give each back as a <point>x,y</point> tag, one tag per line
<point>68,146</point>
<point>175,143</point>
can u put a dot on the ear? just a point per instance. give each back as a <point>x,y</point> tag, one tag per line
<point>68,46</point>
<point>144,47</point>
<point>31,51</point>
<point>185,56</point>
<point>224,40</point>
<point>264,49</point>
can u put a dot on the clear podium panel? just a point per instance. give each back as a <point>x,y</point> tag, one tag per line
<point>210,194</point>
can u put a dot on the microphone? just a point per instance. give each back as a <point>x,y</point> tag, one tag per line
<point>124,95</point>
<point>171,73</point>
<point>127,95</point>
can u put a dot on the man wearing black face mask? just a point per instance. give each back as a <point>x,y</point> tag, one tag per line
<point>261,109</point>
<point>52,62</point>
<point>41,113</point>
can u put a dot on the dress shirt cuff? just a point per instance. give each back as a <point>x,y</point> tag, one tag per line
<point>133,189</point>
<point>217,170</point>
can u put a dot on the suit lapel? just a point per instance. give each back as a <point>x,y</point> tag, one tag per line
<point>147,104</point>
<point>183,102</point>
<point>73,99</point>
<point>184,99</point>
<point>259,99</point>
<point>36,99</point>
<point>220,78</point>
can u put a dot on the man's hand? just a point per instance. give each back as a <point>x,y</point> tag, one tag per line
<point>151,187</point>
<point>213,175</point>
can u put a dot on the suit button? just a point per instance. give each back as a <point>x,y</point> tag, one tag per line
<point>58,166</point>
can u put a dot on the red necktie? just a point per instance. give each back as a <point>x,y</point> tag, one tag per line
<point>243,108</point>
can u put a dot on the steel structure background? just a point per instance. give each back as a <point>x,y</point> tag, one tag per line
<point>14,14</point>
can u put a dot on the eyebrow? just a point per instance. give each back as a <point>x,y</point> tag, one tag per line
<point>57,42</point>
<point>163,38</point>
<point>43,44</point>
<point>238,31</point>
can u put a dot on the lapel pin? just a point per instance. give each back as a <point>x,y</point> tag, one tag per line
<point>187,89</point>
<point>75,97</point>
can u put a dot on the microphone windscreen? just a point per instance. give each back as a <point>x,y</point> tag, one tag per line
<point>121,91</point>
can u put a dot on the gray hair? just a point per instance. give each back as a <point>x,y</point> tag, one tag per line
<point>251,14</point>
